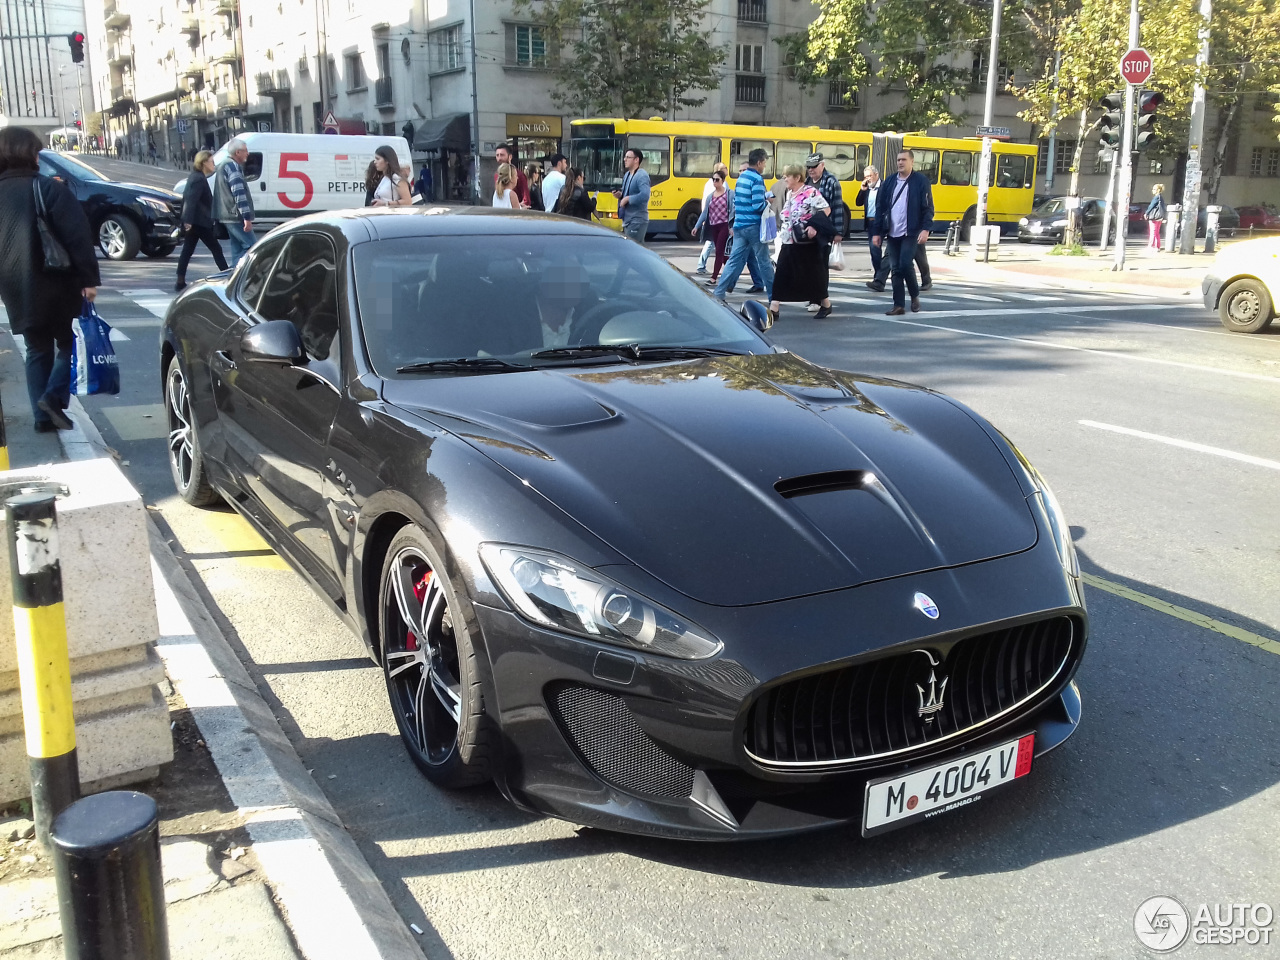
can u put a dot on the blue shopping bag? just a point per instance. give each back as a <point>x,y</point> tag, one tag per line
<point>93,360</point>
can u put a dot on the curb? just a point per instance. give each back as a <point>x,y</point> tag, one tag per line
<point>334,905</point>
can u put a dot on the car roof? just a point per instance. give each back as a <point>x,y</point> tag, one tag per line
<point>371,223</point>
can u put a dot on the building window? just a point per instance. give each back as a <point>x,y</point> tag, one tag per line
<point>446,49</point>
<point>840,93</point>
<point>526,46</point>
<point>1273,162</point>
<point>1004,74</point>
<point>1064,152</point>
<point>750,58</point>
<point>355,72</point>
<point>1156,165</point>
<point>752,11</point>
<point>297,119</point>
<point>750,88</point>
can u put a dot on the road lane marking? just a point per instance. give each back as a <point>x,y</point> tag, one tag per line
<point>1182,613</point>
<point>239,540</point>
<point>117,335</point>
<point>1063,346</point>
<point>150,299</point>
<point>978,296</point>
<point>1184,444</point>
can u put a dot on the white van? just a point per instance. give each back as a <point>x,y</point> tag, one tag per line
<point>290,174</point>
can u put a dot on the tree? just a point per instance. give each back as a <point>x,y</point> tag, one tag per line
<point>627,57</point>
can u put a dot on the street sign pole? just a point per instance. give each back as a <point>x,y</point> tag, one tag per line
<point>993,63</point>
<point>1126,146</point>
<point>1191,189</point>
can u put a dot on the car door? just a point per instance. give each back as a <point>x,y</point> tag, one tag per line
<point>277,416</point>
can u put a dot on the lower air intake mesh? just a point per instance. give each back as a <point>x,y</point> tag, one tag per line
<point>610,739</point>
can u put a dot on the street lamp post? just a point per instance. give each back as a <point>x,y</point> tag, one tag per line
<point>984,168</point>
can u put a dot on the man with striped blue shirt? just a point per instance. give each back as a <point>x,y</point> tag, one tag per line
<point>749,205</point>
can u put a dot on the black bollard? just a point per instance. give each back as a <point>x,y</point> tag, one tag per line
<point>106,856</point>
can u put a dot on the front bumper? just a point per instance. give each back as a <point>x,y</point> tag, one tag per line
<point>663,752</point>
<point>1047,235</point>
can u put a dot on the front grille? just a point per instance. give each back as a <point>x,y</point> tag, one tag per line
<point>609,738</point>
<point>873,709</point>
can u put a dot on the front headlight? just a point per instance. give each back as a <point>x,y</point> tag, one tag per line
<point>1022,222</point>
<point>553,591</point>
<point>158,205</point>
<point>1058,223</point>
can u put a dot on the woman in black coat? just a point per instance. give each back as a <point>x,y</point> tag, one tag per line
<point>197,217</point>
<point>574,199</point>
<point>42,304</point>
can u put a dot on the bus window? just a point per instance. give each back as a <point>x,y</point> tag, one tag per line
<point>657,154</point>
<point>791,151</point>
<point>599,159</point>
<point>926,163</point>
<point>1011,171</point>
<point>696,156</point>
<point>845,161</point>
<point>740,149</point>
<point>957,168</point>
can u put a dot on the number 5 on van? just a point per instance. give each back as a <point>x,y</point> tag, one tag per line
<point>308,189</point>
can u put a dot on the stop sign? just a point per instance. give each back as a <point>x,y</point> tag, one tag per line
<point>1135,66</point>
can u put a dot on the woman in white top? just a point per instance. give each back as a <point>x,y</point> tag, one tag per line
<point>387,187</point>
<point>504,188</point>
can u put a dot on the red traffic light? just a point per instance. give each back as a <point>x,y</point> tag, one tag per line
<point>1150,101</point>
<point>76,42</point>
<point>77,38</point>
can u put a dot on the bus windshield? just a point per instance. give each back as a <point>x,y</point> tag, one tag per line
<point>599,159</point>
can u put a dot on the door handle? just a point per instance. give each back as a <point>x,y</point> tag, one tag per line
<point>263,186</point>
<point>227,362</point>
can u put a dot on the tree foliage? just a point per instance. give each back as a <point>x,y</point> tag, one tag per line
<point>627,57</point>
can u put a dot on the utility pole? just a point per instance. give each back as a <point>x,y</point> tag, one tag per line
<point>1191,190</point>
<point>84,117</point>
<point>1053,128</point>
<point>993,65</point>
<point>1126,147</point>
<point>1110,207</point>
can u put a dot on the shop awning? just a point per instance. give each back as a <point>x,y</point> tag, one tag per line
<point>450,132</point>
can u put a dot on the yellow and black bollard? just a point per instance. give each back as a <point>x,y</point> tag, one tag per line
<point>44,665</point>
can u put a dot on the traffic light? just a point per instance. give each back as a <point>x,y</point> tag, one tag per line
<point>1147,105</point>
<point>1112,122</point>
<point>78,124</point>
<point>76,41</point>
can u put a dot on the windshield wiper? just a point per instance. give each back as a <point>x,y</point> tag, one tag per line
<point>473,364</point>
<point>632,351</point>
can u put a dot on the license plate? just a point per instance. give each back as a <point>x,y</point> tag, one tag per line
<point>1036,227</point>
<point>927,793</point>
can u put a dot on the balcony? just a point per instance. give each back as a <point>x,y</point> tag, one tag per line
<point>752,11</point>
<point>225,6</point>
<point>382,92</point>
<point>119,53</point>
<point>272,84</point>
<point>113,17</point>
<point>189,24</point>
<point>122,92</point>
<point>194,67</point>
<point>749,88</point>
<point>230,100</point>
<point>192,109</point>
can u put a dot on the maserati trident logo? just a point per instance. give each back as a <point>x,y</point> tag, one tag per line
<point>937,691</point>
<point>925,605</point>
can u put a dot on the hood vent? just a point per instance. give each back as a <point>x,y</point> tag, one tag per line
<point>827,482</point>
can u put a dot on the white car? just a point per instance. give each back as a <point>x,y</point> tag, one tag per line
<point>1243,283</point>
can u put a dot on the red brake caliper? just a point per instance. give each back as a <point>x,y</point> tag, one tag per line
<point>419,593</point>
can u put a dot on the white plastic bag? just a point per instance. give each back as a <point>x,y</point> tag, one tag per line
<point>835,259</point>
<point>768,225</point>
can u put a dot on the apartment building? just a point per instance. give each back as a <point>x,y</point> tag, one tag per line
<point>40,87</point>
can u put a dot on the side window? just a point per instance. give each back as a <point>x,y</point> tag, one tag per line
<point>845,161</point>
<point>1011,171</point>
<point>253,167</point>
<point>657,155</point>
<point>739,150</point>
<point>957,168</point>
<point>304,290</point>
<point>47,169</point>
<point>696,156</point>
<point>791,151</point>
<point>927,163</point>
<point>262,258</point>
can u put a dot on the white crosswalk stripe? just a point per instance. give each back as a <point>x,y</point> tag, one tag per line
<point>150,299</point>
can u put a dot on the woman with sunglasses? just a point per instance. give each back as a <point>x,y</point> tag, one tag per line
<point>713,223</point>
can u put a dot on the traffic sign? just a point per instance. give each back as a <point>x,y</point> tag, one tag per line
<point>183,125</point>
<point>1135,66</point>
<point>995,133</point>
<point>330,123</point>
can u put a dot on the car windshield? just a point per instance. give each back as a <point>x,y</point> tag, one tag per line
<point>1056,205</point>
<point>528,300</point>
<point>77,169</point>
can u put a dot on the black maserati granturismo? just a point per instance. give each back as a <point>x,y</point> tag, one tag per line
<point>612,547</point>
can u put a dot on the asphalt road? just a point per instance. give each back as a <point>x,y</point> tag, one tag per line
<point>1169,787</point>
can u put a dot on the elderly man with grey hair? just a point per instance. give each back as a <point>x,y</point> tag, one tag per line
<point>232,203</point>
<point>868,199</point>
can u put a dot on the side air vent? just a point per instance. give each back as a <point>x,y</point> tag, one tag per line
<point>821,483</point>
<point>609,738</point>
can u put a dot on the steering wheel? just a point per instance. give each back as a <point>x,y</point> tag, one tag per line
<point>597,315</point>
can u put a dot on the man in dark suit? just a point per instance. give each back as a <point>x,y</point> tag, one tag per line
<point>904,217</point>
<point>867,196</point>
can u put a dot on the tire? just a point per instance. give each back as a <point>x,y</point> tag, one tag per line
<point>434,686</point>
<point>966,226</point>
<point>847,230</point>
<point>119,237</point>
<point>186,462</point>
<point>1245,307</point>
<point>158,252</point>
<point>688,216</point>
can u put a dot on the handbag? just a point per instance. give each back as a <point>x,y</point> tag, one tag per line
<point>56,258</point>
<point>94,368</point>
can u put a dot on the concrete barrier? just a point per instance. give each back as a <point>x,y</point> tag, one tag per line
<point>984,242</point>
<point>122,720</point>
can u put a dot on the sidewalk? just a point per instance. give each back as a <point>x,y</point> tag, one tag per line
<point>256,863</point>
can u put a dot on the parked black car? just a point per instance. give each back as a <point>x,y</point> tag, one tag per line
<point>127,218</point>
<point>1048,221</point>
<point>613,548</point>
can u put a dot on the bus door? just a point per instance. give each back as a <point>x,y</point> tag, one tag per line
<point>885,148</point>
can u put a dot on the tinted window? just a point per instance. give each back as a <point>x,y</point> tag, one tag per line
<point>253,166</point>
<point>70,167</point>
<point>845,161</point>
<point>739,150</point>
<point>791,151</point>
<point>696,156</point>
<point>303,290</point>
<point>255,273</point>
<point>443,298</point>
<point>599,160</point>
<point>957,168</point>
<point>657,155</point>
<point>1011,171</point>
<point>926,163</point>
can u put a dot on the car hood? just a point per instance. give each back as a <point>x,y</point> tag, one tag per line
<point>142,190</point>
<point>743,480</point>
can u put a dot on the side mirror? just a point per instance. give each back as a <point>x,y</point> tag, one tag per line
<point>274,341</point>
<point>757,314</point>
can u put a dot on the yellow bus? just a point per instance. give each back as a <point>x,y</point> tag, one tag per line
<point>679,156</point>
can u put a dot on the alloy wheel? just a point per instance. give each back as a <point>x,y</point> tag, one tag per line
<point>421,655</point>
<point>181,447</point>
<point>112,239</point>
